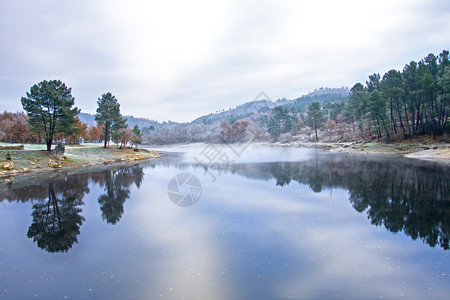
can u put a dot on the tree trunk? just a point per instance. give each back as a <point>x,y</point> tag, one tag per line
<point>49,145</point>
<point>402,126</point>
<point>407,120</point>
<point>385,128</point>
<point>106,135</point>
<point>392,117</point>
<point>315,128</point>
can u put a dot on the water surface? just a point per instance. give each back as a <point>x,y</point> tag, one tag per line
<point>268,223</point>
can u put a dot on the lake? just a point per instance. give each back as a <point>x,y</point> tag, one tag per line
<point>231,222</point>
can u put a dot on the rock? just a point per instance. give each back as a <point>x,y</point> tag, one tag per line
<point>32,163</point>
<point>59,149</point>
<point>55,165</point>
<point>9,165</point>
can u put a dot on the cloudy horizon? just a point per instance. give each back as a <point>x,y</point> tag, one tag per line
<point>177,60</point>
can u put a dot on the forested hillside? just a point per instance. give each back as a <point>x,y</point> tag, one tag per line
<point>409,103</point>
<point>398,105</point>
<point>259,120</point>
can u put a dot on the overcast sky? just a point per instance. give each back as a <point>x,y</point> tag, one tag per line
<point>177,60</point>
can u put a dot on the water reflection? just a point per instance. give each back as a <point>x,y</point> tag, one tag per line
<point>56,222</point>
<point>117,191</point>
<point>401,195</point>
<point>259,232</point>
<point>57,213</point>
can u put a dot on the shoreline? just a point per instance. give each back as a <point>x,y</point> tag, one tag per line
<point>29,164</point>
<point>435,152</point>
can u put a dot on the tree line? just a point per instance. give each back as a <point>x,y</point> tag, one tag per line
<point>404,104</point>
<point>51,116</point>
<point>398,105</point>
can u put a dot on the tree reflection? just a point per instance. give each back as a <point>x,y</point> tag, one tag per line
<point>57,209</point>
<point>401,195</point>
<point>117,191</point>
<point>57,218</point>
<point>56,224</point>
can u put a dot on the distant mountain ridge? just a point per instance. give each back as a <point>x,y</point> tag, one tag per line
<point>89,119</point>
<point>322,95</point>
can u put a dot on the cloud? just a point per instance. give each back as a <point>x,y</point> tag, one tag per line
<point>178,60</point>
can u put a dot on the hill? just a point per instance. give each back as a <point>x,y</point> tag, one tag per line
<point>298,105</point>
<point>89,119</point>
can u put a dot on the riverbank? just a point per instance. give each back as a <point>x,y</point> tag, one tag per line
<point>37,162</point>
<point>32,161</point>
<point>424,149</point>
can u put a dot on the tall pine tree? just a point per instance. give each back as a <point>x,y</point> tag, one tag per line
<point>49,108</point>
<point>316,117</point>
<point>108,114</point>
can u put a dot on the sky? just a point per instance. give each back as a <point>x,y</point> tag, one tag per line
<point>178,60</point>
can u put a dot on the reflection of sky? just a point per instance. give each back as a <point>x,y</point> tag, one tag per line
<point>260,241</point>
<point>244,239</point>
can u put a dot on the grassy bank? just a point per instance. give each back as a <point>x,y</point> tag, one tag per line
<point>31,159</point>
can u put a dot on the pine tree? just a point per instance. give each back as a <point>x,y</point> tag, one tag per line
<point>137,135</point>
<point>49,108</point>
<point>316,117</point>
<point>108,115</point>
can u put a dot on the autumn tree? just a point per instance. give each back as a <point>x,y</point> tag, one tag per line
<point>225,133</point>
<point>94,134</point>
<point>235,132</point>
<point>79,131</point>
<point>14,127</point>
<point>108,115</point>
<point>49,108</point>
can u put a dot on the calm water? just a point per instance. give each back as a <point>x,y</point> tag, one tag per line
<point>256,223</point>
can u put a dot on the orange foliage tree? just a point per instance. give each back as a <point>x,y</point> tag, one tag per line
<point>14,127</point>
